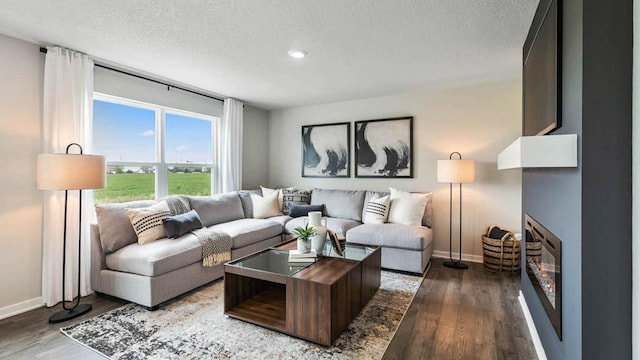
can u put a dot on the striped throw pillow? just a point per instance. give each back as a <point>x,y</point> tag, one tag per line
<point>147,222</point>
<point>377,210</point>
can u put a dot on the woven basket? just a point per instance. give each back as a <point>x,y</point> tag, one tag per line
<point>501,255</point>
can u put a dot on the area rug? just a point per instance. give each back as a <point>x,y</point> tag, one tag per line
<point>194,327</point>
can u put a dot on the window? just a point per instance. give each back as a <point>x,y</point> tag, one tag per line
<point>152,151</point>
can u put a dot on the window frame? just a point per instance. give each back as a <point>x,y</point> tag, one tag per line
<point>161,177</point>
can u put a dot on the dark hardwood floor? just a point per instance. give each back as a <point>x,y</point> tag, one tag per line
<point>463,314</point>
<point>471,314</point>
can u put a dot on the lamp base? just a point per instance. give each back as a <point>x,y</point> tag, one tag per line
<point>65,315</point>
<point>456,265</point>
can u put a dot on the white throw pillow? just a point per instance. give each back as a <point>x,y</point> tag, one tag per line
<point>407,208</point>
<point>147,222</point>
<point>377,209</point>
<point>265,206</point>
<point>267,192</point>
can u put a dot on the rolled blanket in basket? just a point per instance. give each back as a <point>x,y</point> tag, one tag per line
<point>216,246</point>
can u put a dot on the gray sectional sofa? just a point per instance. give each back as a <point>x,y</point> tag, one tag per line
<point>158,271</point>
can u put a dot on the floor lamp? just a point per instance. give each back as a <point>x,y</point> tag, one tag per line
<point>456,171</point>
<point>70,172</point>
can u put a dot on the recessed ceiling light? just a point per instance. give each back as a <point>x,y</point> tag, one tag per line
<point>297,53</point>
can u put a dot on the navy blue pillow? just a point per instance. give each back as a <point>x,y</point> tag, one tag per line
<point>303,210</point>
<point>178,225</point>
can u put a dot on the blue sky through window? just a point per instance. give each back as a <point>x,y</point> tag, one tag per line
<point>188,140</point>
<point>126,133</point>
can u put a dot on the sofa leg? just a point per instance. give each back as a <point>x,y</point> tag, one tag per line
<point>152,308</point>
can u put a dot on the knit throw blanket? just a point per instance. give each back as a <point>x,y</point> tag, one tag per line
<point>216,246</point>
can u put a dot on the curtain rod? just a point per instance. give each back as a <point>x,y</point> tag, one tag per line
<point>44,51</point>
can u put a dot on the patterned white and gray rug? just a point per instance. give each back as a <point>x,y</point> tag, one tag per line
<point>194,327</point>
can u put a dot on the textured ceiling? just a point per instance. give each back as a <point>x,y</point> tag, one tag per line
<point>238,48</point>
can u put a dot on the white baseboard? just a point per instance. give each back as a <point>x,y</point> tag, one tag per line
<point>465,257</point>
<point>537,344</point>
<point>21,307</point>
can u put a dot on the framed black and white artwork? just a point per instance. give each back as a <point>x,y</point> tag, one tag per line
<point>326,150</point>
<point>384,148</point>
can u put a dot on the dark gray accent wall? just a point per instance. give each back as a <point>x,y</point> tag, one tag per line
<point>606,179</point>
<point>589,207</point>
<point>553,198</point>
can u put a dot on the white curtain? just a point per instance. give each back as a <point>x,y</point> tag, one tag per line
<point>67,118</point>
<point>230,150</point>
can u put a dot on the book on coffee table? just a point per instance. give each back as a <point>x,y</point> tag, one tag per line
<point>302,260</point>
<point>296,256</point>
<point>299,254</point>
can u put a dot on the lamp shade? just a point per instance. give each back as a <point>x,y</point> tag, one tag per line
<point>70,172</point>
<point>456,171</point>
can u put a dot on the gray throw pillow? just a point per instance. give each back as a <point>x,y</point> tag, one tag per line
<point>114,225</point>
<point>217,209</point>
<point>178,225</point>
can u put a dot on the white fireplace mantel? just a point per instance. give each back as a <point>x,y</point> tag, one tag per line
<point>540,152</point>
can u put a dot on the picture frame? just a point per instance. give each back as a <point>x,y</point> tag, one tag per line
<point>335,242</point>
<point>384,148</point>
<point>326,150</point>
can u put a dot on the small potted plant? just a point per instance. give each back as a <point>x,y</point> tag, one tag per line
<point>304,235</point>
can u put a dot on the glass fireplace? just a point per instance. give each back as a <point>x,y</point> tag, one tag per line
<point>543,265</point>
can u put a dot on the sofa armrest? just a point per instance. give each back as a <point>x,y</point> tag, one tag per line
<point>98,261</point>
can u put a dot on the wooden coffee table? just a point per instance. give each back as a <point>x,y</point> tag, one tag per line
<point>315,302</point>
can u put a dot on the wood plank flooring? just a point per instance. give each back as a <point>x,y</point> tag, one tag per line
<point>463,314</point>
<point>456,314</point>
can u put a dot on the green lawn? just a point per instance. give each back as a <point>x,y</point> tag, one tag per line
<point>129,187</point>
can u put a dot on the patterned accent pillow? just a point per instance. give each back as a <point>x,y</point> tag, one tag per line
<point>147,222</point>
<point>377,209</point>
<point>294,197</point>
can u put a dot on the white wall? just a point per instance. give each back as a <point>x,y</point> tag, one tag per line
<point>255,148</point>
<point>21,75</point>
<point>478,121</point>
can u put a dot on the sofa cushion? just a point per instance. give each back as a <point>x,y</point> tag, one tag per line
<point>339,226</point>
<point>156,258</point>
<point>114,225</point>
<point>427,219</point>
<point>247,204</point>
<point>391,235</point>
<point>282,220</point>
<point>249,231</point>
<point>344,204</point>
<point>217,209</point>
